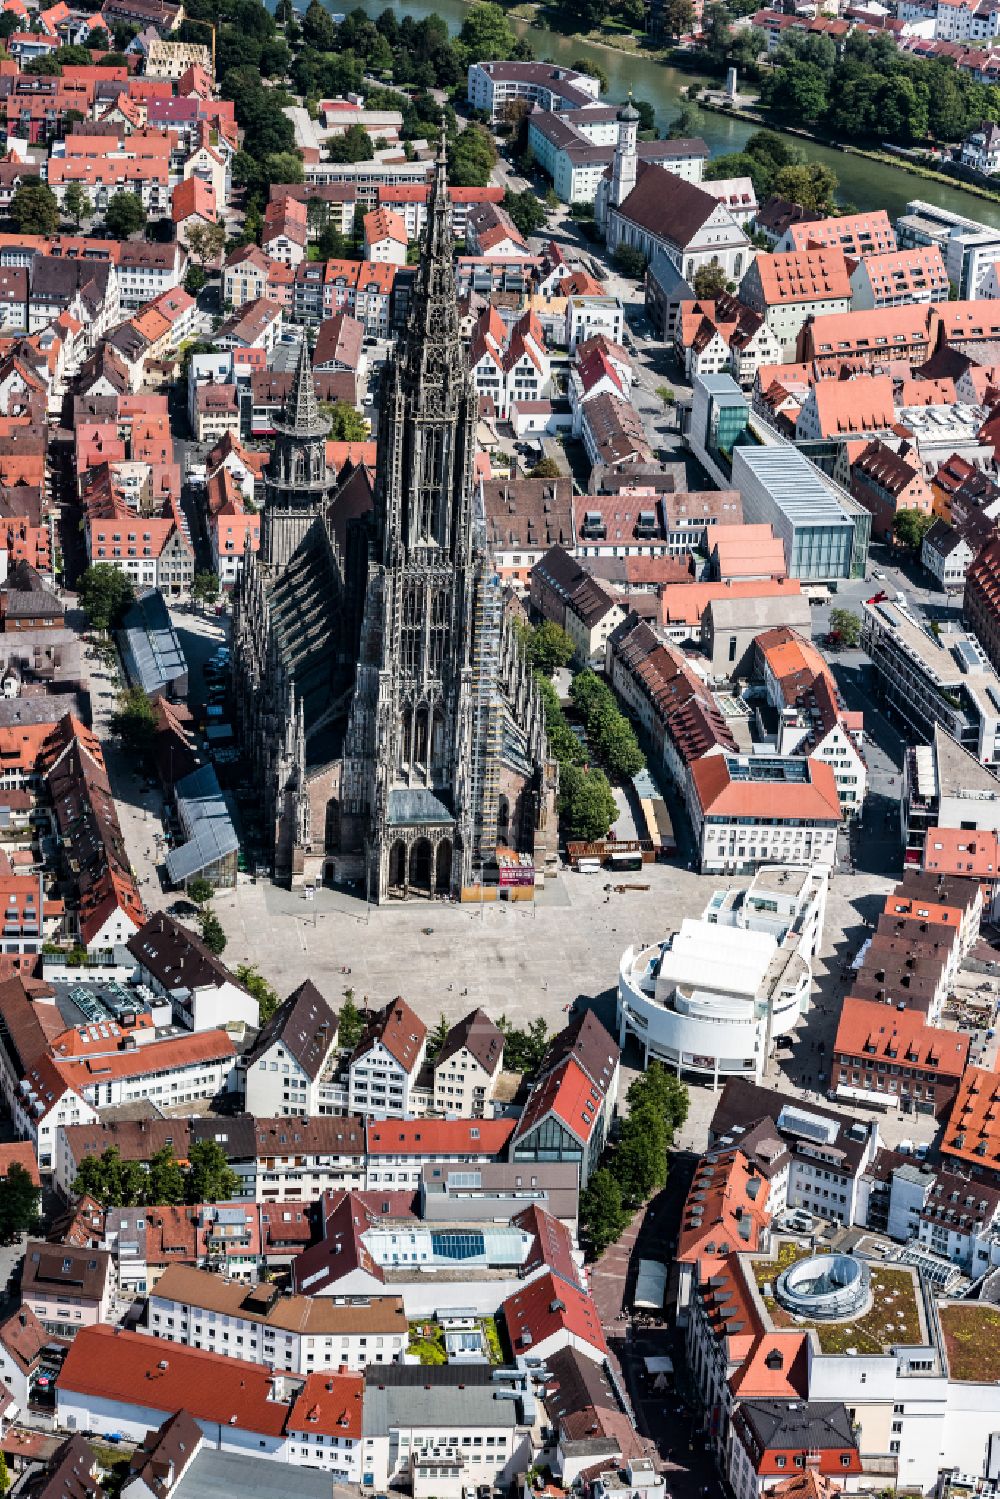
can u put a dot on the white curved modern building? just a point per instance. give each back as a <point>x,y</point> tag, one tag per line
<point>711,1000</point>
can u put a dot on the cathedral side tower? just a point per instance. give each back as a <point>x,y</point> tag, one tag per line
<point>299,482</point>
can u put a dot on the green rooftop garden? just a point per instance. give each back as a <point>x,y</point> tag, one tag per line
<point>972,1339</point>
<point>893,1317</point>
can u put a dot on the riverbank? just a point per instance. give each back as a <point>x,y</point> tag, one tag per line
<point>537,13</point>
<point>883,158</point>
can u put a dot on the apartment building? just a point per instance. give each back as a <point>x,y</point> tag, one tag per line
<point>854,234</point>
<point>67,1287</point>
<point>870,339</point>
<point>897,278</point>
<point>467,1067</point>
<point>261,1324</point>
<point>929,680</point>
<point>748,810</point>
<point>386,1062</point>
<point>122,1380</point>
<point>891,1057</point>
<point>398,1150</point>
<point>455,1424</point>
<point>981,599</point>
<point>176,964</point>
<point>813,719</point>
<point>493,85</point>
<point>561,590</point>
<point>786,290</point>
<point>291,1056</point>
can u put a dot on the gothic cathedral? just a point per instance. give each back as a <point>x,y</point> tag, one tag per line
<point>391,724</point>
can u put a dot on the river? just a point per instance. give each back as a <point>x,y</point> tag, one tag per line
<point>868,184</point>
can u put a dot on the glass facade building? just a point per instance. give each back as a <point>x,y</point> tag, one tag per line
<point>783,489</point>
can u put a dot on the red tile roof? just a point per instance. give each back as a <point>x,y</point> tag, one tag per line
<point>129,1369</point>
<point>549,1306</point>
<point>330,1404</point>
<point>776,1368</point>
<point>803,276</point>
<point>430,1137</point>
<point>155,1056</point>
<point>973,1132</point>
<point>882,1032</point>
<point>720,795</point>
<point>569,1094</point>
<point>726,1208</point>
<point>400,1030</point>
<point>20,1153</point>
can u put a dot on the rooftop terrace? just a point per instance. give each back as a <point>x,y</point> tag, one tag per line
<point>892,1318</point>
<point>972,1339</point>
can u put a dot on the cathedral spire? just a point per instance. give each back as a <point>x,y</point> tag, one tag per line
<point>434,308</point>
<point>300,416</point>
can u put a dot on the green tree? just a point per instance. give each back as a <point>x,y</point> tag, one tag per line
<point>709,282</point>
<point>547,647</point>
<point>798,91</point>
<point>667,395</point>
<point>318,28</point>
<point>110,1180</point>
<point>684,125</point>
<point>910,527</point>
<point>200,890</point>
<point>436,1038</point>
<point>846,624</point>
<point>593,70</point>
<point>44,67</point>
<point>212,933</point>
<point>4,1475</point>
<point>619,749</point>
<point>259,989</point>
<point>660,1090</point>
<point>206,242</point>
<point>678,17</point>
<point>210,1177</point>
<point>586,805</point>
<point>194,280</point>
<point>608,730</point>
<point>486,33</point>
<point>527,213</point>
<point>34,208</point>
<point>76,203</point>
<point>97,40</point>
<point>354,145</point>
<point>332,244</point>
<point>602,1216</point>
<point>630,261</point>
<point>813,185</point>
<point>165,1184</point>
<point>546,468</point>
<point>351,1023</point>
<point>473,156</point>
<point>646,113</point>
<point>134,720</point>
<point>124,215</point>
<point>523,1050</point>
<point>19,1203</point>
<point>105,595</point>
<point>205,587</point>
<point>346,424</point>
<point>641,1158</point>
